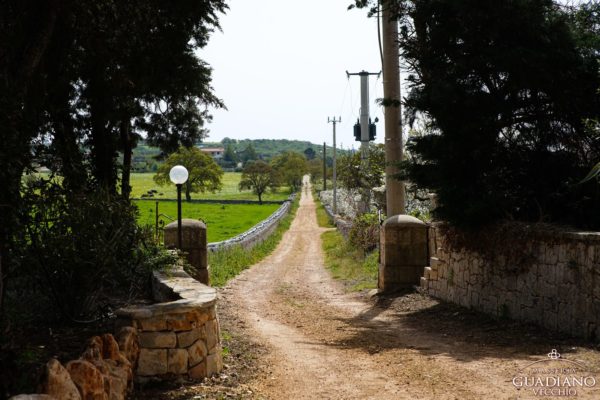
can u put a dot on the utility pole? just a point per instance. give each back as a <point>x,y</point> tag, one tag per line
<point>334,121</point>
<point>364,112</point>
<point>392,111</point>
<point>324,166</point>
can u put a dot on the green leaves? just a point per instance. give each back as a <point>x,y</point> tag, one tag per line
<point>204,173</point>
<point>594,173</point>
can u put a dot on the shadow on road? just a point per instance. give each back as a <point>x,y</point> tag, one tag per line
<point>410,320</point>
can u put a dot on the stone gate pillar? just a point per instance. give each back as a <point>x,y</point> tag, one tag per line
<point>193,243</point>
<point>403,252</point>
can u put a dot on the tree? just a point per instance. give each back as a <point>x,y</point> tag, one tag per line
<point>258,176</point>
<point>507,86</point>
<point>204,173</point>
<point>315,169</point>
<point>230,155</point>
<point>249,154</point>
<point>79,82</point>
<point>309,153</point>
<point>352,176</point>
<point>290,167</point>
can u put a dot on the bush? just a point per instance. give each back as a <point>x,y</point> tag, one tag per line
<point>364,234</point>
<point>82,248</point>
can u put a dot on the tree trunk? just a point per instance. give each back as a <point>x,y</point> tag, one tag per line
<point>127,145</point>
<point>188,191</point>
<point>103,148</point>
<point>260,198</point>
<point>65,140</point>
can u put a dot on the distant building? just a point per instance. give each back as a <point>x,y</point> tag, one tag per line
<point>215,152</point>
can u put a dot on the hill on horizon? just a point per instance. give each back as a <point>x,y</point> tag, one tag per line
<point>268,148</point>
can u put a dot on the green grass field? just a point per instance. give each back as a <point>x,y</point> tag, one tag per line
<point>141,183</point>
<point>223,221</point>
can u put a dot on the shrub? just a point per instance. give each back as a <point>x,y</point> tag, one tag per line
<point>81,248</point>
<point>364,234</point>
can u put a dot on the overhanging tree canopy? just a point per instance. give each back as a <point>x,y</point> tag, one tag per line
<point>508,88</point>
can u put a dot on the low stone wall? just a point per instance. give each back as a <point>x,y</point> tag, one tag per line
<point>210,201</point>
<point>258,233</point>
<point>558,288</point>
<point>343,226</point>
<point>180,336</point>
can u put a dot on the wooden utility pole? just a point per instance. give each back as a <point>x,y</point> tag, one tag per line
<point>392,111</point>
<point>324,166</point>
<point>334,121</point>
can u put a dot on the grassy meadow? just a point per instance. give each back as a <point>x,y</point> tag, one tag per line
<point>141,183</point>
<point>223,221</point>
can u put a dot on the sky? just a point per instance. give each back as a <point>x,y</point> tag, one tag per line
<point>280,67</point>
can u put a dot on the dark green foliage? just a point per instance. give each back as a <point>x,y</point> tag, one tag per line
<point>79,81</point>
<point>82,247</point>
<point>507,86</point>
<point>310,153</point>
<point>230,155</point>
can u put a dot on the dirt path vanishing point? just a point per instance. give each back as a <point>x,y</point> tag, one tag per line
<point>322,343</point>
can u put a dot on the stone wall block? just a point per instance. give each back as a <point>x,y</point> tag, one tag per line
<point>181,322</point>
<point>197,352</point>
<point>212,337</point>
<point>198,372</point>
<point>88,379</point>
<point>110,348</point>
<point>57,382</point>
<point>404,252</point>
<point>153,324</point>
<point>152,362</point>
<point>177,360</point>
<point>193,243</point>
<point>186,339</point>
<point>127,338</point>
<point>158,340</point>
<point>214,364</point>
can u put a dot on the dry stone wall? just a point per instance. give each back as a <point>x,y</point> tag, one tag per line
<point>559,288</point>
<point>257,233</point>
<point>178,337</point>
<point>104,371</point>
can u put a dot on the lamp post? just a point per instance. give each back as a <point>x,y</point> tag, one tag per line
<point>179,175</point>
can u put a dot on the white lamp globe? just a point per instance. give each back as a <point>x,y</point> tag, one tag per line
<point>178,174</point>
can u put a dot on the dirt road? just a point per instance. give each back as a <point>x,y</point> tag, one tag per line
<point>320,343</point>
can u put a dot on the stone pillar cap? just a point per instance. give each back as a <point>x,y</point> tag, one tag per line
<point>404,220</point>
<point>187,223</point>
